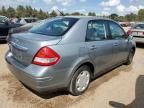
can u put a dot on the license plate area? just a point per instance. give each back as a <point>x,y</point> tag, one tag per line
<point>135,33</point>
<point>140,34</point>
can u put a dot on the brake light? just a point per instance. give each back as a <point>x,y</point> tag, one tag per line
<point>129,32</point>
<point>46,57</point>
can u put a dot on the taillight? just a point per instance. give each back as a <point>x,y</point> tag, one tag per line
<point>46,57</point>
<point>129,32</point>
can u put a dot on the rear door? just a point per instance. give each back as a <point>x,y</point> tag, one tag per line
<point>100,47</point>
<point>120,42</point>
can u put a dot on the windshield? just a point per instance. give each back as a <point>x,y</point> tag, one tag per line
<point>56,27</point>
<point>3,19</point>
<point>139,26</point>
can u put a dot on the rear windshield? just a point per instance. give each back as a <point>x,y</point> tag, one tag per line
<point>30,20</point>
<point>56,27</point>
<point>124,25</point>
<point>139,26</point>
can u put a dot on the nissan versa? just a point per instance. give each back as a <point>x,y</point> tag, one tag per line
<point>68,52</point>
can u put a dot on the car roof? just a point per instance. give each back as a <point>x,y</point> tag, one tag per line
<point>2,16</point>
<point>85,17</point>
<point>28,18</point>
<point>139,23</point>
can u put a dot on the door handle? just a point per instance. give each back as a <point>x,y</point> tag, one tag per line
<point>93,47</point>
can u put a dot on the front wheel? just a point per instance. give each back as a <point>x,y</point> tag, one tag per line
<point>80,81</point>
<point>130,57</point>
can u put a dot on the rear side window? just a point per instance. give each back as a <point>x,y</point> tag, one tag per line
<point>56,27</point>
<point>96,31</point>
<point>116,31</point>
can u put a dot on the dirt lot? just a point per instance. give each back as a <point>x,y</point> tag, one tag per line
<point>123,85</point>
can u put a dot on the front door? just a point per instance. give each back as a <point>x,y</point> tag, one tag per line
<point>100,47</point>
<point>120,42</point>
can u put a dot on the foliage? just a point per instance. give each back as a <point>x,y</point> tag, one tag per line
<point>141,15</point>
<point>23,11</point>
<point>129,17</point>
<point>114,16</point>
<point>28,11</point>
<point>91,14</point>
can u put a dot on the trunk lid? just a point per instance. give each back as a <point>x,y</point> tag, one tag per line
<point>138,32</point>
<point>24,46</point>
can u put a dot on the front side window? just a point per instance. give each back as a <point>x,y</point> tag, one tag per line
<point>116,31</point>
<point>55,27</point>
<point>96,31</point>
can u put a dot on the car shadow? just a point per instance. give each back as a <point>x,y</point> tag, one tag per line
<point>139,96</point>
<point>3,41</point>
<point>48,94</point>
<point>51,94</point>
<point>97,81</point>
<point>140,45</point>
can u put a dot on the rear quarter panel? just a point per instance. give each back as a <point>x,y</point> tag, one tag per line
<point>72,56</point>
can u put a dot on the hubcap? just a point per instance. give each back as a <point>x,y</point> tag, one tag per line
<point>82,81</point>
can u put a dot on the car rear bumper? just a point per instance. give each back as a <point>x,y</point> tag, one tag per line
<point>39,84</point>
<point>139,39</point>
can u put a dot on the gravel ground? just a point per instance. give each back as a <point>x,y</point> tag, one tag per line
<point>123,87</point>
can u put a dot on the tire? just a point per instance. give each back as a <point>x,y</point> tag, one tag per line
<point>130,57</point>
<point>82,74</point>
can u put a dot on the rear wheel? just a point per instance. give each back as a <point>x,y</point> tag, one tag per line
<point>80,81</point>
<point>130,57</point>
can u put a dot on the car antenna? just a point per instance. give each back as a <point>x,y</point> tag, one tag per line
<point>61,13</point>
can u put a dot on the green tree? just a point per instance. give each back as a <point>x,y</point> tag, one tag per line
<point>91,14</point>
<point>121,18</point>
<point>76,14</point>
<point>53,14</point>
<point>141,15</point>
<point>35,13</point>
<point>20,11</point>
<point>67,14</point>
<point>42,15</point>
<point>11,12</point>
<point>114,16</point>
<point>131,17</point>
<point>3,11</point>
<point>29,11</point>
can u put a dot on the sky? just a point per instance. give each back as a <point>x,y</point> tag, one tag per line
<point>100,7</point>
